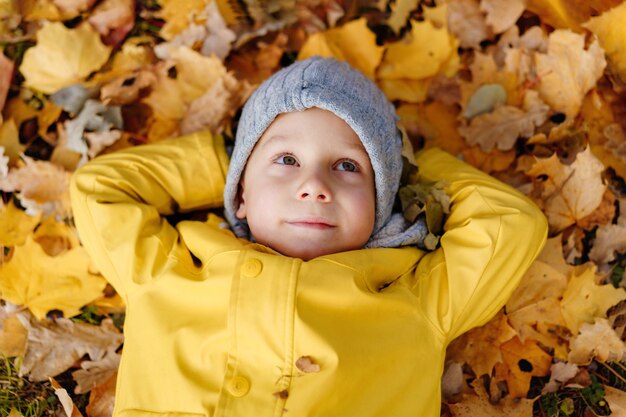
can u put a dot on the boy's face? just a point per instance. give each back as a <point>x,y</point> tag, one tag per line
<point>308,186</point>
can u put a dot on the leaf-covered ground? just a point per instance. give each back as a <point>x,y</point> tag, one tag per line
<point>530,91</point>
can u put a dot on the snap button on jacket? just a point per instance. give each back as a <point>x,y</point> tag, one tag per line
<point>216,325</point>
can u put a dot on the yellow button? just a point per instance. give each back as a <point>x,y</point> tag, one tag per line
<point>251,268</point>
<point>239,386</point>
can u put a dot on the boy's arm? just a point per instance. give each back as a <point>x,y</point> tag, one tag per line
<point>492,235</point>
<point>119,201</point>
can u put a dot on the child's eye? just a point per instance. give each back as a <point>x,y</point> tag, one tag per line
<point>347,165</point>
<point>286,160</point>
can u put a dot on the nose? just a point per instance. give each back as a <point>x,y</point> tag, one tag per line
<point>315,187</point>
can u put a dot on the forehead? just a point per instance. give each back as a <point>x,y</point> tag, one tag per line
<point>320,125</point>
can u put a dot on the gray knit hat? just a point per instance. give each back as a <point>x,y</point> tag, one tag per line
<point>334,86</point>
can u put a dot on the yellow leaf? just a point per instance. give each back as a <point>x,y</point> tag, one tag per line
<point>568,70</point>
<point>568,13</point>
<point>63,57</point>
<point>178,15</point>
<point>12,337</point>
<point>352,42</point>
<point>611,32</point>
<point>584,300</point>
<point>569,192</point>
<point>410,91</point>
<point>44,283</point>
<point>489,162</point>
<point>9,140</point>
<point>55,237</point>
<point>15,225</point>
<point>523,361</point>
<point>421,54</point>
<point>34,10</point>
<point>400,12</point>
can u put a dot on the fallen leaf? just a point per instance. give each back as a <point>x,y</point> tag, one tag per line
<point>352,42</point>
<point>422,53</point>
<point>62,57</point>
<point>102,399</point>
<point>42,186</point>
<point>489,162</point>
<point>502,14</point>
<point>584,300</point>
<point>113,19</point>
<point>569,192</point>
<point>95,373</point>
<point>15,225</point>
<point>307,365</point>
<point>612,36</point>
<point>6,75</point>
<point>55,237</point>
<point>452,382</point>
<point>523,360</point>
<point>72,8</point>
<point>484,100</point>
<point>212,110</point>
<point>54,345</point>
<point>66,401</point>
<point>617,401</point>
<point>480,347</point>
<point>127,89</point>
<point>9,140</point>
<point>400,12</point>
<point>560,373</point>
<point>568,70</point>
<point>478,404</point>
<point>597,341</point>
<point>178,15</point>
<point>13,336</point>
<point>44,283</point>
<point>468,23</point>
<point>97,118</point>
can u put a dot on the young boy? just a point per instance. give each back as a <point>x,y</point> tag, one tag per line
<point>311,311</point>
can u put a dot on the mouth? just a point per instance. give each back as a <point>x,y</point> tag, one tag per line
<point>319,223</point>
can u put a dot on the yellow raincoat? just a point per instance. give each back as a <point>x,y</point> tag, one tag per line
<point>218,326</point>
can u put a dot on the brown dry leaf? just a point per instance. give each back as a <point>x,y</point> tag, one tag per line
<point>95,373</point>
<point>597,341</point>
<point>502,14</point>
<point>62,57</point>
<point>12,334</point>
<point>256,63</point>
<point>66,401</point>
<point>480,347</point>
<point>307,364</point>
<point>489,162</point>
<point>352,42</point>
<point>584,300</point>
<point>102,399</point>
<point>569,192</point>
<point>44,283</point>
<point>127,89</point>
<point>560,373</point>
<point>56,345</point>
<point>501,128</point>
<point>42,186</point>
<point>113,19</point>
<point>468,23</point>
<point>216,107</point>
<point>523,360</point>
<point>15,225</point>
<point>610,238</point>
<point>478,404</point>
<point>568,70</point>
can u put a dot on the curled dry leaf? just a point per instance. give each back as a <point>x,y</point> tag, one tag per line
<point>502,14</point>
<point>307,365</point>
<point>560,373</point>
<point>95,373</point>
<point>569,192</point>
<point>468,23</point>
<point>55,345</point>
<point>113,19</point>
<point>102,399</point>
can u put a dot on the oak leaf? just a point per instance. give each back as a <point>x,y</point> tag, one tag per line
<point>569,192</point>
<point>44,283</point>
<point>54,345</point>
<point>568,70</point>
<point>62,57</point>
<point>95,373</point>
<point>352,42</point>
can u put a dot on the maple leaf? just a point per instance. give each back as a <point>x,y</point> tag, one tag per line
<point>178,15</point>
<point>570,192</point>
<point>55,237</point>
<point>599,341</point>
<point>62,57</point>
<point>612,36</point>
<point>15,225</point>
<point>584,300</point>
<point>502,14</point>
<point>352,42</point>
<point>54,345</point>
<point>44,283</point>
<point>522,361</point>
<point>400,12</point>
<point>568,70</point>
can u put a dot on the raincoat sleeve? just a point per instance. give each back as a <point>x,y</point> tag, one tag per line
<point>492,235</point>
<point>119,201</point>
